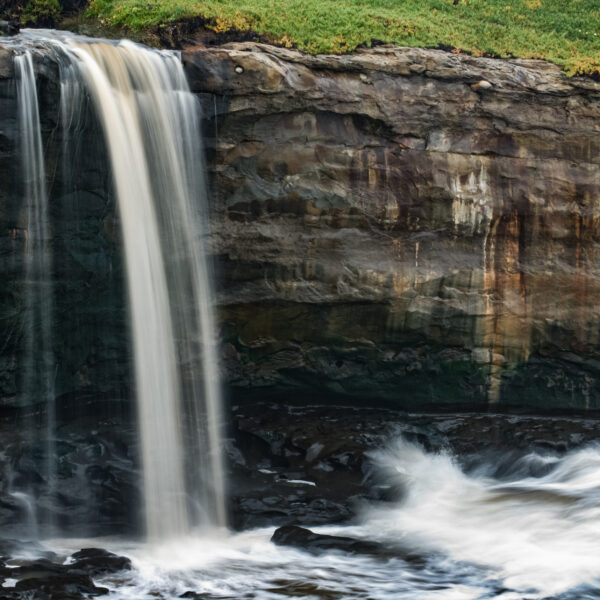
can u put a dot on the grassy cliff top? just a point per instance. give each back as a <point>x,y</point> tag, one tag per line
<point>566,32</point>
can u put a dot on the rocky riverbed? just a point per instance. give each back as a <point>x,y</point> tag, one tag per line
<point>343,489</point>
<point>288,464</point>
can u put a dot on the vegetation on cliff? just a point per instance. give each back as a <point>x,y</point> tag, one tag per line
<point>43,13</point>
<point>567,33</point>
<point>37,13</point>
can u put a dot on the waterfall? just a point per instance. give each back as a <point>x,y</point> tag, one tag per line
<point>38,382</point>
<point>150,122</point>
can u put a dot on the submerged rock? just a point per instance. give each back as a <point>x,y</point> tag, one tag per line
<point>299,537</point>
<point>95,561</point>
<point>50,580</point>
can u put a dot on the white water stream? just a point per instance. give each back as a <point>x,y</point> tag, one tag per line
<point>522,537</point>
<point>151,127</point>
<point>38,374</point>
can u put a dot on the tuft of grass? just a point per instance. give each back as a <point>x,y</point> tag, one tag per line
<point>566,32</point>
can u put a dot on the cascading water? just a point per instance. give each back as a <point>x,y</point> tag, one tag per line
<point>38,375</point>
<point>151,128</point>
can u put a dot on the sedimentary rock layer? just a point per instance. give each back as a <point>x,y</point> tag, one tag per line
<point>405,224</point>
<point>397,224</point>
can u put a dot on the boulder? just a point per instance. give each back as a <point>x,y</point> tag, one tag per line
<point>317,543</point>
<point>95,562</point>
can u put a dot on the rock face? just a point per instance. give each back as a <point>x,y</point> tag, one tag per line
<point>405,224</point>
<point>400,225</point>
<point>89,321</point>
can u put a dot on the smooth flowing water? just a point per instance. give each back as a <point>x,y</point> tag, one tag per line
<point>151,127</point>
<point>38,374</point>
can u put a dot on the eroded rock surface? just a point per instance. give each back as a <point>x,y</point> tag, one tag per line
<point>318,465</point>
<point>405,224</point>
<point>401,225</point>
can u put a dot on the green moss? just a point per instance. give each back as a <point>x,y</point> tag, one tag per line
<point>44,13</point>
<point>567,33</point>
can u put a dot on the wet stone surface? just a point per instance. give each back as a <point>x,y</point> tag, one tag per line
<point>58,578</point>
<point>287,464</point>
<point>312,465</point>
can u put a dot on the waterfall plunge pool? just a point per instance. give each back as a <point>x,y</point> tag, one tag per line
<point>463,528</point>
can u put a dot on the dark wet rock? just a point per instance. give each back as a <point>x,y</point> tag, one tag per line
<point>288,464</point>
<point>296,468</point>
<point>93,490</point>
<point>333,448</point>
<point>302,589</point>
<point>318,543</point>
<point>95,561</point>
<point>299,537</point>
<point>62,581</point>
<point>91,341</point>
<point>38,569</point>
<point>9,27</point>
<point>64,586</point>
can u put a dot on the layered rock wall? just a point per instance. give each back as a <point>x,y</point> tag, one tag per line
<point>399,225</point>
<point>405,224</point>
<point>89,321</point>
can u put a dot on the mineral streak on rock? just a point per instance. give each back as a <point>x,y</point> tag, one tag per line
<point>405,223</point>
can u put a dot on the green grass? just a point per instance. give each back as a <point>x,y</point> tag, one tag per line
<point>566,32</point>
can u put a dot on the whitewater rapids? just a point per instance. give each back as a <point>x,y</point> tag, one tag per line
<point>503,528</point>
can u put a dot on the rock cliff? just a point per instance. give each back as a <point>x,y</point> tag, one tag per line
<point>405,224</point>
<point>401,225</point>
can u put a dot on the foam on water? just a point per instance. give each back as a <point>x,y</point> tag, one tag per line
<point>480,537</point>
<point>540,535</point>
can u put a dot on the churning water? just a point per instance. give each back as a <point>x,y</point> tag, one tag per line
<point>150,123</point>
<point>532,533</point>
